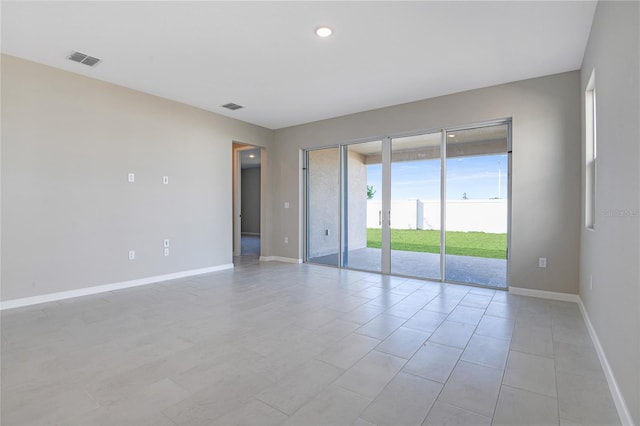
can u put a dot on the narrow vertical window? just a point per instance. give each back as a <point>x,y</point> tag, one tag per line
<point>590,152</point>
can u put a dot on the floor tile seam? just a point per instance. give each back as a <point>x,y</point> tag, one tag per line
<point>343,370</point>
<point>483,365</point>
<point>257,398</point>
<point>499,317</point>
<point>395,316</point>
<point>504,372</point>
<point>426,378</point>
<point>169,419</point>
<point>553,358</point>
<point>475,327</point>
<point>354,363</point>
<point>405,361</point>
<point>555,372</point>
<point>396,355</point>
<point>389,382</point>
<point>357,394</point>
<point>449,346</point>
<point>495,405</point>
<point>531,391</point>
<point>95,401</point>
<point>444,384</point>
<point>453,404</point>
<point>353,322</point>
<point>414,375</point>
<point>508,339</point>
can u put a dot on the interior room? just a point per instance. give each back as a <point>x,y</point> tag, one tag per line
<point>320,213</point>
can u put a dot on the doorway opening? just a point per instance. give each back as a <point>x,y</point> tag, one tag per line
<point>247,204</point>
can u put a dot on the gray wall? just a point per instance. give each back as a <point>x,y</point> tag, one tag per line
<point>69,216</point>
<point>610,253</point>
<point>250,182</point>
<point>546,167</point>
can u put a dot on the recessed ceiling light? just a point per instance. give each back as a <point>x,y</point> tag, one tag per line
<point>451,135</point>
<point>252,156</point>
<point>324,32</point>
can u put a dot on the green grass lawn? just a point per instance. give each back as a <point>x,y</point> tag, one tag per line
<point>476,244</point>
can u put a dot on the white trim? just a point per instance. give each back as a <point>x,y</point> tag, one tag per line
<point>52,297</point>
<point>279,259</point>
<point>616,394</point>
<point>552,295</point>
<point>618,399</point>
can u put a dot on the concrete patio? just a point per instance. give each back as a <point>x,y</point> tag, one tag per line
<point>462,269</point>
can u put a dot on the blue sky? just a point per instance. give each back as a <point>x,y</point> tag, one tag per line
<point>475,176</point>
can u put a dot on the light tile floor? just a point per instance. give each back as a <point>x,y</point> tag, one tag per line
<point>272,343</point>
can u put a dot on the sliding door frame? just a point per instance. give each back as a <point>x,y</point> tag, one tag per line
<point>386,155</point>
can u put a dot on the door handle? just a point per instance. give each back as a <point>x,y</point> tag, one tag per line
<point>379,217</point>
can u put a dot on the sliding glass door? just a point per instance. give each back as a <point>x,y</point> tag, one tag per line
<point>414,221</point>
<point>432,205</point>
<point>477,205</point>
<point>323,206</point>
<point>362,201</point>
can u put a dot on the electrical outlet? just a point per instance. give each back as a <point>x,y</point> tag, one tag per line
<point>131,177</point>
<point>542,262</point>
<point>132,255</point>
<point>286,204</point>
<point>166,252</point>
<point>286,240</point>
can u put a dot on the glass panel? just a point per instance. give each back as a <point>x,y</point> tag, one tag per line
<point>323,208</point>
<point>415,206</point>
<point>476,210</point>
<point>363,206</point>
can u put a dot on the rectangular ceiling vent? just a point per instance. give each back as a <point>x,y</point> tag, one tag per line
<point>232,106</point>
<point>83,59</point>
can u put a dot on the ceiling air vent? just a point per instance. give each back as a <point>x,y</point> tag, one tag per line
<point>232,106</point>
<point>83,59</point>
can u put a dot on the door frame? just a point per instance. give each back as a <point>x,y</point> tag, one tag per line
<point>386,194</point>
<point>238,148</point>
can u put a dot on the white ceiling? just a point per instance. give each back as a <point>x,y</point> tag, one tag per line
<point>265,55</point>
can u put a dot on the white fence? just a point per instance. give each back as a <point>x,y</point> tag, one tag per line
<point>462,215</point>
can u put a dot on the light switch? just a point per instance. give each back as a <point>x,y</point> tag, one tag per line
<point>165,180</point>
<point>132,177</point>
<point>286,204</point>
<point>165,243</point>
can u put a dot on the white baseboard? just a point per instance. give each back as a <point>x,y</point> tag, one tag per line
<point>279,259</point>
<point>553,295</point>
<point>618,399</point>
<point>616,394</point>
<point>52,297</point>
